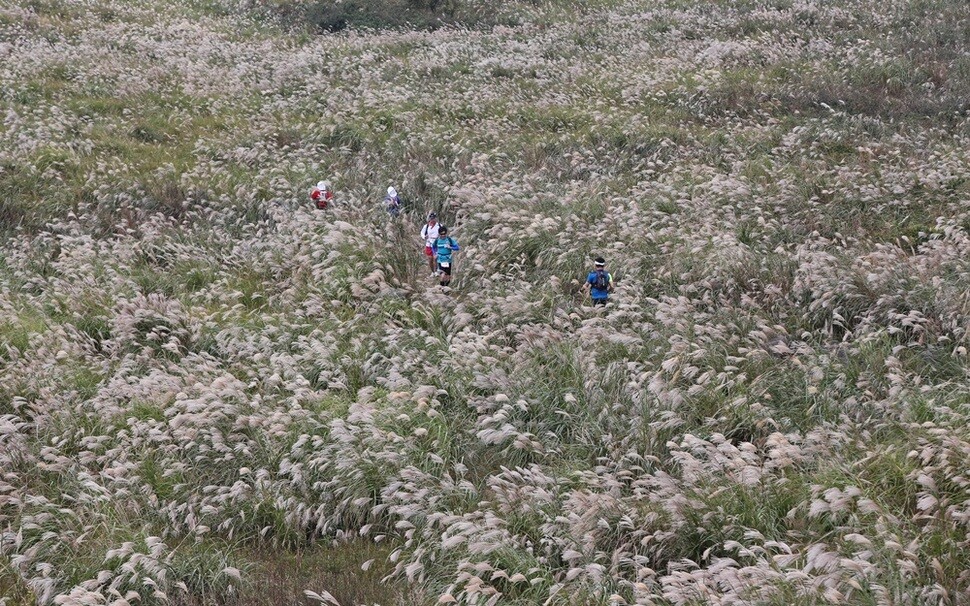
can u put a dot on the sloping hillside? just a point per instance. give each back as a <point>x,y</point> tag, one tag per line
<point>212,393</point>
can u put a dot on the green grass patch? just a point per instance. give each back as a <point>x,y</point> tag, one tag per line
<point>159,131</point>
<point>391,14</point>
<point>13,589</point>
<point>16,332</point>
<point>275,576</point>
<point>161,480</point>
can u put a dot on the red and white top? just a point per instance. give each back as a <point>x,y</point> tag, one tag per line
<point>321,196</point>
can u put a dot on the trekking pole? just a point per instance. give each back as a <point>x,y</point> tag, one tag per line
<point>454,266</point>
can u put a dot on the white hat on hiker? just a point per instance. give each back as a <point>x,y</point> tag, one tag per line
<point>392,192</point>
<point>323,185</point>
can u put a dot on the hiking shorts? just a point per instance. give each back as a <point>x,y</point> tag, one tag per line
<point>599,301</point>
<point>428,251</point>
<point>445,270</point>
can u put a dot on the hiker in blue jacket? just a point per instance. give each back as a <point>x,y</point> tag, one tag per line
<point>599,282</point>
<point>444,246</point>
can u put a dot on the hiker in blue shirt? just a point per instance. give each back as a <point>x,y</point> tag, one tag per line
<point>444,246</point>
<point>599,282</point>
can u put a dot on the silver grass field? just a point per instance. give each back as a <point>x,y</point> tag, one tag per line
<point>213,394</point>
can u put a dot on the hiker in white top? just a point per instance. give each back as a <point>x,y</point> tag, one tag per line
<point>429,233</point>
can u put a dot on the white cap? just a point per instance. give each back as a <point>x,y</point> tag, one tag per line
<point>391,192</point>
<point>323,185</point>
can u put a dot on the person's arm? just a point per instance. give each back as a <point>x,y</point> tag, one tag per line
<point>609,286</point>
<point>453,245</point>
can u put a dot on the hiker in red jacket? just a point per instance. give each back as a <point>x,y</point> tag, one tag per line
<point>322,194</point>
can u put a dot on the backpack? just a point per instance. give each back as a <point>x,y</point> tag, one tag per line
<point>601,281</point>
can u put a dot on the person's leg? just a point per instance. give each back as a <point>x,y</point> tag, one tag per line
<point>599,302</point>
<point>445,275</point>
<point>432,263</point>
